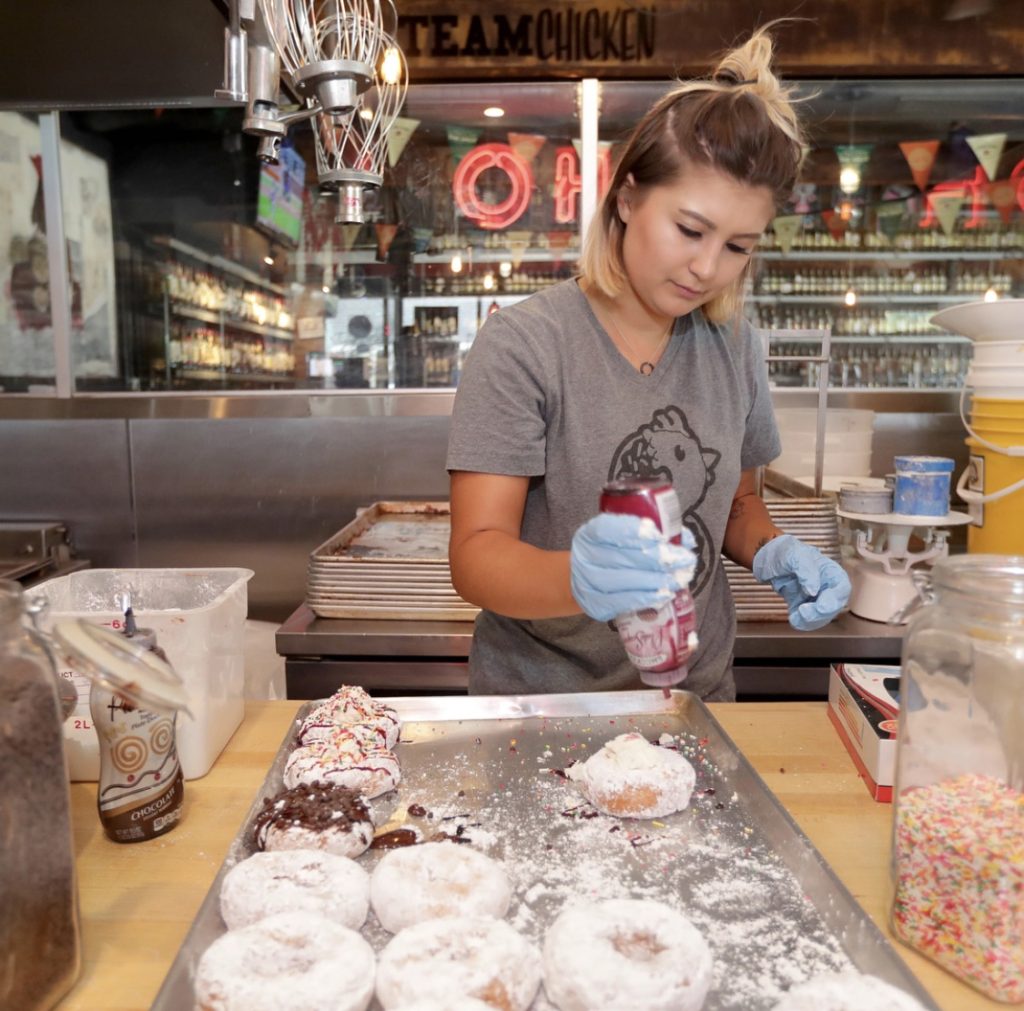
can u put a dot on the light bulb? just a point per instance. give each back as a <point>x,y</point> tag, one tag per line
<point>326,290</point>
<point>488,281</point>
<point>505,268</point>
<point>365,113</point>
<point>456,264</point>
<point>391,66</point>
<point>268,260</point>
<point>494,112</point>
<point>850,298</point>
<point>849,179</point>
<point>991,295</point>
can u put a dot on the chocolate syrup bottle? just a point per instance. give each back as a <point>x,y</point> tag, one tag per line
<point>134,701</point>
<point>141,788</point>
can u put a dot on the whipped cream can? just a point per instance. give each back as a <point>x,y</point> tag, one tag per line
<point>659,641</point>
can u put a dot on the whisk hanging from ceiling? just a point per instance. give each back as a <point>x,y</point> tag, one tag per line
<point>350,150</point>
<point>329,49</point>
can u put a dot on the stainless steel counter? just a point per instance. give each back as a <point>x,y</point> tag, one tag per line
<point>771,658</point>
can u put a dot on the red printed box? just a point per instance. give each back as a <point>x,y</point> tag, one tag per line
<point>863,705</point>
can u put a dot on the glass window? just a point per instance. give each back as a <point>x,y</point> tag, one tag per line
<point>26,326</point>
<point>861,249</point>
<point>195,268</point>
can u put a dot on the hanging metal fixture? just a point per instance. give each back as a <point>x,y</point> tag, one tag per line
<point>329,49</point>
<point>339,57</point>
<point>350,150</point>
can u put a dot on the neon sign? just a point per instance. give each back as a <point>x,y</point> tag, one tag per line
<point>569,182</point>
<point>520,178</point>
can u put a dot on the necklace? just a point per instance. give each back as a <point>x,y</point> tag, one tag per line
<point>646,366</point>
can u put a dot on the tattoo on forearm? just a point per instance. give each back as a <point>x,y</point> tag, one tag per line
<point>739,505</point>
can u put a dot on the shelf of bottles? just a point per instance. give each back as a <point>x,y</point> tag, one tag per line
<point>877,295</point>
<point>485,264</point>
<point>989,239</point>
<point>221,329</point>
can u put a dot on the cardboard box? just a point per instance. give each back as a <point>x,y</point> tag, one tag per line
<point>863,705</point>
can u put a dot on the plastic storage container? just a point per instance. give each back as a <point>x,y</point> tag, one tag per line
<point>848,440</point>
<point>198,616</point>
<point>958,815</point>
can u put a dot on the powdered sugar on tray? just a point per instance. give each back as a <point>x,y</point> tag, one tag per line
<point>504,791</point>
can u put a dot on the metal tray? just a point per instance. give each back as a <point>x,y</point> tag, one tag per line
<point>735,862</point>
<point>391,561</point>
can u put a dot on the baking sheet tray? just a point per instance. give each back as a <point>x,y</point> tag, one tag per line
<point>390,531</point>
<point>391,561</point>
<point>735,862</point>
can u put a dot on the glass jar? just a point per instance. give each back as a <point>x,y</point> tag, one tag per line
<point>958,812</point>
<point>39,937</point>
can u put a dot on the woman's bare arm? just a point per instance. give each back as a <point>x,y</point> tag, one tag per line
<point>491,566</point>
<point>750,526</point>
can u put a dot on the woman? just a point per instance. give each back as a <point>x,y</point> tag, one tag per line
<point>642,366</point>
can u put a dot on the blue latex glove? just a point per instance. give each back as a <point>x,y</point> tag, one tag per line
<point>814,587</point>
<point>622,563</point>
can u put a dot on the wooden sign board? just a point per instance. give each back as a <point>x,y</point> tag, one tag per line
<point>666,38</point>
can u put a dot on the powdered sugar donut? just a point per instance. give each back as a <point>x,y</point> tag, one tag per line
<point>287,962</point>
<point>632,778</point>
<point>437,879</point>
<point>314,816</point>
<point>300,881</point>
<point>455,1004</point>
<point>349,705</point>
<point>350,756</point>
<point>625,953</point>
<point>846,991</point>
<point>458,957</point>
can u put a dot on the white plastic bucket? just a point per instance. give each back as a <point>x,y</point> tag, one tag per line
<point>1000,353</point>
<point>997,381</point>
<point>856,464</point>
<point>198,616</point>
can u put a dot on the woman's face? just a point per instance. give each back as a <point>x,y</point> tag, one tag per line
<point>689,239</point>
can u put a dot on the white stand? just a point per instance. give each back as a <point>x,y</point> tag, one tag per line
<point>881,576</point>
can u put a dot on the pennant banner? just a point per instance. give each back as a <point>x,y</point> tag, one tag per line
<point>786,226</point>
<point>946,207</point>
<point>421,239</point>
<point>1002,195</point>
<point>518,244</point>
<point>920,155</point>
<point>835,224</point>
<point>889,218</point>
<point>988,149</point>
<point>461,140</point>
<point>526,145</point>
<point>398,136</point>
<point>558,240</point>
<point>385,236</point>
<point>854,155</point>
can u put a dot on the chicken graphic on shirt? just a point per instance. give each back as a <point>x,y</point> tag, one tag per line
<point>667,448</point>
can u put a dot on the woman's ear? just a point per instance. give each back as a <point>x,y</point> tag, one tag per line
<point>625,196</point>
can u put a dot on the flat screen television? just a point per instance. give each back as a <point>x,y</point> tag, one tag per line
<point>279,199</point>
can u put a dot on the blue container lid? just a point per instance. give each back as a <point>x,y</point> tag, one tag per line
<point>923,464</point>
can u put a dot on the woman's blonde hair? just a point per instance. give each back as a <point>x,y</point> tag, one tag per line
<point>739,120</point>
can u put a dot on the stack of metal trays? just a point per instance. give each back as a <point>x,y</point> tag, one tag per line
<point>814,521</point>
<point>391,561</point>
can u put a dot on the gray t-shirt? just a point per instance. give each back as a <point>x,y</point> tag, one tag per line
<point>545,394</point>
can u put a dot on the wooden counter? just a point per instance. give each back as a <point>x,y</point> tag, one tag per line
<point>137,901</point>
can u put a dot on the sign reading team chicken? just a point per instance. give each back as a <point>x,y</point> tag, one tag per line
<point>574,35</point>
<point>519,176</point>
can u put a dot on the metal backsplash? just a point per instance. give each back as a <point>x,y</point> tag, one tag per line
<point>167,481</point>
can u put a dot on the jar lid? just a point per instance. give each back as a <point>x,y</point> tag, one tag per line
<point>121,665</point>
